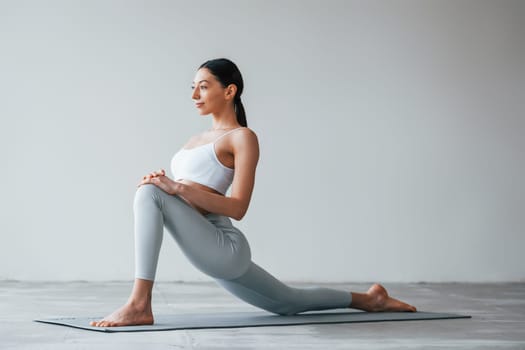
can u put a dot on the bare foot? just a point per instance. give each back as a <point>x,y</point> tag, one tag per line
<point>128,315</point>
<point>379,300</point>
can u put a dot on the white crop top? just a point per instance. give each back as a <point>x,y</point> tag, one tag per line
<point>200,164</point>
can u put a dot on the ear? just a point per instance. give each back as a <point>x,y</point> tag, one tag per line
<point>231,90</point>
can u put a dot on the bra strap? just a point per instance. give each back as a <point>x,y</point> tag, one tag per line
<point>226,133</point>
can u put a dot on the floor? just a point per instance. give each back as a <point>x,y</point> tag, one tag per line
<point>497,310</point>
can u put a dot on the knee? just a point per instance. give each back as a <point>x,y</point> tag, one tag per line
<point>146,190</point>
<point>286,313</point>
<point>284,310</point>
<point>286,304</point>
<point>146,193</point>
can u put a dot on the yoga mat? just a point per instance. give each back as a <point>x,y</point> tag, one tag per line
<point>249,319</point>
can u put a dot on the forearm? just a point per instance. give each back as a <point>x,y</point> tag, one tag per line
<point>212,202</point>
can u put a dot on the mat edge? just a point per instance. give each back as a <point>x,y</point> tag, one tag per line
<point>116,330</point>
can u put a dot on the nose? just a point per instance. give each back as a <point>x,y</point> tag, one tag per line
<point>195,94</point>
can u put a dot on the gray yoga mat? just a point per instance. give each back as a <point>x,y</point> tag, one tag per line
<point>249,319</point>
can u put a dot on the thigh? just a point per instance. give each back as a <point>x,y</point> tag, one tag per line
<point>214,247</point>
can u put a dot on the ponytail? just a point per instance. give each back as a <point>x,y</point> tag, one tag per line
<point>239,111</point>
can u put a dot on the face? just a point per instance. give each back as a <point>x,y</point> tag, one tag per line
<point>209,94</point>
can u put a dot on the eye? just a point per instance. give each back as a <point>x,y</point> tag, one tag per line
<point>204,87</point>
<point>193,87</point>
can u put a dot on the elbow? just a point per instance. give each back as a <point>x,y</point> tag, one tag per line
<point>239,214</point>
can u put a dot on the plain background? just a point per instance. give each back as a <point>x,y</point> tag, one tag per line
<point>391,134</point>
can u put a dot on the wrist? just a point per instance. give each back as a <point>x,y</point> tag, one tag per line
<point>179,188</point>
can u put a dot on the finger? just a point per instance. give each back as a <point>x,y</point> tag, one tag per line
<point>156,173</point>
<point>145,180</point>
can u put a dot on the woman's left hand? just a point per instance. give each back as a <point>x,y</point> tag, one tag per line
<point>164,183</point>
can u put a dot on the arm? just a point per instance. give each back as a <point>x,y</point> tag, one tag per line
<point>245,149</point>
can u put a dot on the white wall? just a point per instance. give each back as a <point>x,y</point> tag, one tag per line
<point>391,133</point>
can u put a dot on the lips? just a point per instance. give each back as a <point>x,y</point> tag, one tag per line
<point>199,104</point>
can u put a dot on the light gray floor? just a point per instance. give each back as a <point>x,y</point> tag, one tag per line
<point>498,321</point>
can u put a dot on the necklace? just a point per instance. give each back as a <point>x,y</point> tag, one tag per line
<point>221,129</point>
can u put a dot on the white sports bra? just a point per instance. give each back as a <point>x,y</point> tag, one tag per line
<point>200,164</point>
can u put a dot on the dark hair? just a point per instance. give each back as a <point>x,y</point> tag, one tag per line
<point>227,73</point>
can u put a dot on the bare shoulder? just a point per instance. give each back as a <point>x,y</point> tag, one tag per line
<point>245,138</point>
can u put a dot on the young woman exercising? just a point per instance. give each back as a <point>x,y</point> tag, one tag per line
<point>195,211</point>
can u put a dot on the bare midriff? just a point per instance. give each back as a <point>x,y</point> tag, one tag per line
<point>200,187</point>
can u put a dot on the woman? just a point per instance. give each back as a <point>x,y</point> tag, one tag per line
<point>196,212</point>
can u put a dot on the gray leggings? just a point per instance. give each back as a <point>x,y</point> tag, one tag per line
<point>221,251</point>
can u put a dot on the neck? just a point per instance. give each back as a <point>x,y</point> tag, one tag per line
<point>226,119</point>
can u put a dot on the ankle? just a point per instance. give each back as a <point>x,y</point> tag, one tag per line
<point>140,304</point>
<point>359,301</point>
